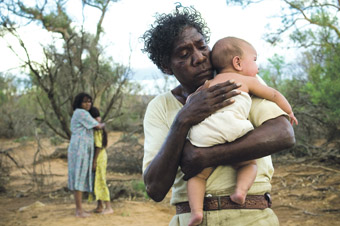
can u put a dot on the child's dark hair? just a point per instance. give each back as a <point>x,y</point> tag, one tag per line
<point>79,99</point>
<point>94,112</point>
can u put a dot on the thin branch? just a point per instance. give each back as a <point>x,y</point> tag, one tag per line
<point>331,26</point>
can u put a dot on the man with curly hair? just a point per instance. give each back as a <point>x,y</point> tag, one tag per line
<point>177,44</point>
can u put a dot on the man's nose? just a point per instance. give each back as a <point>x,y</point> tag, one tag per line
<point>198,57</point>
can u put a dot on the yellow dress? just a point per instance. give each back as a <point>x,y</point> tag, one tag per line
<point>101,190</point>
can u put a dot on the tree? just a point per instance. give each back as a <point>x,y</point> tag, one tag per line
<point>314,27</point>
<point>73,62</point>
<point>303,18</point>
<point>17,110</point>
<point>273,74</point>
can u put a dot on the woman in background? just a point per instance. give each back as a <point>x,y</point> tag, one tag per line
<point>81,150</point>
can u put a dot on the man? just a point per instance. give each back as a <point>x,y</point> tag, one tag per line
<point>177,44</point>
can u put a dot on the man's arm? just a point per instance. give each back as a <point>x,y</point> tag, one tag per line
<point>160,174</point>
<point>272,136</point>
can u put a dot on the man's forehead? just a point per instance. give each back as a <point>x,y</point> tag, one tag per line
<point>189,38</point>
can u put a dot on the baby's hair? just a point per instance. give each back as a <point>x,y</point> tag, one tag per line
<point>225,50</point>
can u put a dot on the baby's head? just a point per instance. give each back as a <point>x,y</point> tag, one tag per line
<point>227,51</point>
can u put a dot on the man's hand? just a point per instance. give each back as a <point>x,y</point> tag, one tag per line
<point>190,161</point>
<point>207,101</point>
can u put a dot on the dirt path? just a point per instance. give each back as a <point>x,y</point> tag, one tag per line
<point>304,193</point>
<point>62,213</point>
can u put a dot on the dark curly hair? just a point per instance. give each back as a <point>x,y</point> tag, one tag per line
<point>79,99</point>
<point>94,112</point>
<point>160,38</point>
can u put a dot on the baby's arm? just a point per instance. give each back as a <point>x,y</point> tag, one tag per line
<point>266,92</point>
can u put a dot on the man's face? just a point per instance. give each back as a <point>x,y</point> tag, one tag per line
<point>190,60</point>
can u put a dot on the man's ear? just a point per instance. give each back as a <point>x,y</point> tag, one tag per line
<point>237,63</point>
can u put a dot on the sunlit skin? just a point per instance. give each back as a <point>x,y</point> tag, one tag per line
<point>190,61</point>
<point>248,61</point>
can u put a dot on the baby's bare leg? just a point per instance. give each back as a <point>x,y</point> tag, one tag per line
<point>196,190</point>
<point>246,174</point>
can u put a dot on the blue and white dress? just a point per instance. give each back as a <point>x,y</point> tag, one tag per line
<point>80,151</point>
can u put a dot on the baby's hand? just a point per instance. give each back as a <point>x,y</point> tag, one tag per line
<point>293,119</point>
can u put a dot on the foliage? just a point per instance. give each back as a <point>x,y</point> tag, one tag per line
<point>313,27</point>
<point>139,186</point>
<point>73,62</point>
<point>18,111</point>
<point>126,155</point>
<point>273,74</point>
<point>305,19</point>
<point>4,172</point>
<point>132,113</point>
<point>311,117</point>
<point>324,82</point>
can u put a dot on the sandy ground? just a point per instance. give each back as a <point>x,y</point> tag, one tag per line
<point>304,193</point>
<point>62,213</point>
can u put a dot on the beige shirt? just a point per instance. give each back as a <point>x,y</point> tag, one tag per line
<point>159,116</point>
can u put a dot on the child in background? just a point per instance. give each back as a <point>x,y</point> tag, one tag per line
<point>101,190</point>
<point>234,59</point>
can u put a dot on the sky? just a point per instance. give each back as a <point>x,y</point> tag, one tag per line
<point>127,20</point>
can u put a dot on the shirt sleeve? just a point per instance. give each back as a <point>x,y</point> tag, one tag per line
<point>86,119</point>
<point>155,130</point>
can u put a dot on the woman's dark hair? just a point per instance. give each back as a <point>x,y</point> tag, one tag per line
<point>160,38</point>
<point>79,99</point>
<point>94,112</point>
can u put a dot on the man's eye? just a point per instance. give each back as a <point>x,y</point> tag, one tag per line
<point>184,54</point>
<point>203,47</point>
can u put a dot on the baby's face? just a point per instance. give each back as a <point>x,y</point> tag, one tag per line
<point>99,119</point>
<point>248,61</point>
